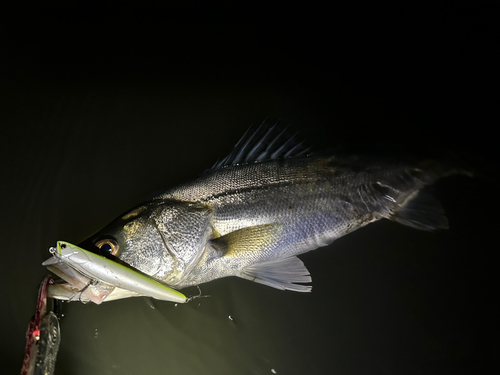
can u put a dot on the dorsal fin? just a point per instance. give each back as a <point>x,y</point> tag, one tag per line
<point>266,142</point>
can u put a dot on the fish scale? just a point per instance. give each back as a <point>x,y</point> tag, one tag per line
<point>315,202</point>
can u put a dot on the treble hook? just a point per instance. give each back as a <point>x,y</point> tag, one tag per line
<point>198,296</point>
<point>91,282</point>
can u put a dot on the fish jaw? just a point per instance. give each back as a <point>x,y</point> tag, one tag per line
<point>91,277</point>
<point>67,292</point>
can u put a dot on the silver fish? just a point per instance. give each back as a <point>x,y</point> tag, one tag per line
<point>267,202</point>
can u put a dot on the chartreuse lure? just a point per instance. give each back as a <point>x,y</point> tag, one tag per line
<point>92,277</point>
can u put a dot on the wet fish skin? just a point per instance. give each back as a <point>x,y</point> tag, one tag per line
<point>252,219</point>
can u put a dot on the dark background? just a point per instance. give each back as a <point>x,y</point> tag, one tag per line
<point>100,106</point>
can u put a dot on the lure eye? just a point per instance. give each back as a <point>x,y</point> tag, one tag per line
<point>108,246</point>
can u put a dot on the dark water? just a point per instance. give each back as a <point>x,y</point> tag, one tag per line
<point>100,108</point>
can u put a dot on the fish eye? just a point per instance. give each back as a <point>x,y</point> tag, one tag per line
<point>108,246</point>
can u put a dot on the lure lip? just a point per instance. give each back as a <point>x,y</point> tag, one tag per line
<point>76,266</point>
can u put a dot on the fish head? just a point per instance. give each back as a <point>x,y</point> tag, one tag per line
<point>134,239</point>
<point>160,238</point>
<point>130,257</point>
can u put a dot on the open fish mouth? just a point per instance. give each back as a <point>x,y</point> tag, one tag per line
<point>91,277</point>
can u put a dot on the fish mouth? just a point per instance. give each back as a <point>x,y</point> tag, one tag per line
<point>86,276</point>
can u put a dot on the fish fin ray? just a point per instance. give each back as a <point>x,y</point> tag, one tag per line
<point>283,274</point>
<point>247,240</point>
<point>422,211</point>
<point>262,143</point>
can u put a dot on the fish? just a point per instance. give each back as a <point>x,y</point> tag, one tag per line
<point>270,200</point>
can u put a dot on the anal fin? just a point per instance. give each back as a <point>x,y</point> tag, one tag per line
<point>281,274</point>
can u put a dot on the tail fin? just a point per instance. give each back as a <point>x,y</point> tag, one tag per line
<point>421,211</point>
<point>416,207</point>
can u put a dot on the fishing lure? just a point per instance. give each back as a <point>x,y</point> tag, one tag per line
<point>92,277</point>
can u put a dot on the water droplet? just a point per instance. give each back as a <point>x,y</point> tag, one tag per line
<point>273,371</point>
<point>230,317</point>
<point>96,333</point>
<point>175,305</point>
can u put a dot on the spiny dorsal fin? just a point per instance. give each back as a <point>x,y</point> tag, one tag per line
<point>263,143</point>
<point>281,274</point>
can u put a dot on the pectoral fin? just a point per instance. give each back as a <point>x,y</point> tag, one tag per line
<point>248,240</point>
<point>280,274</point>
